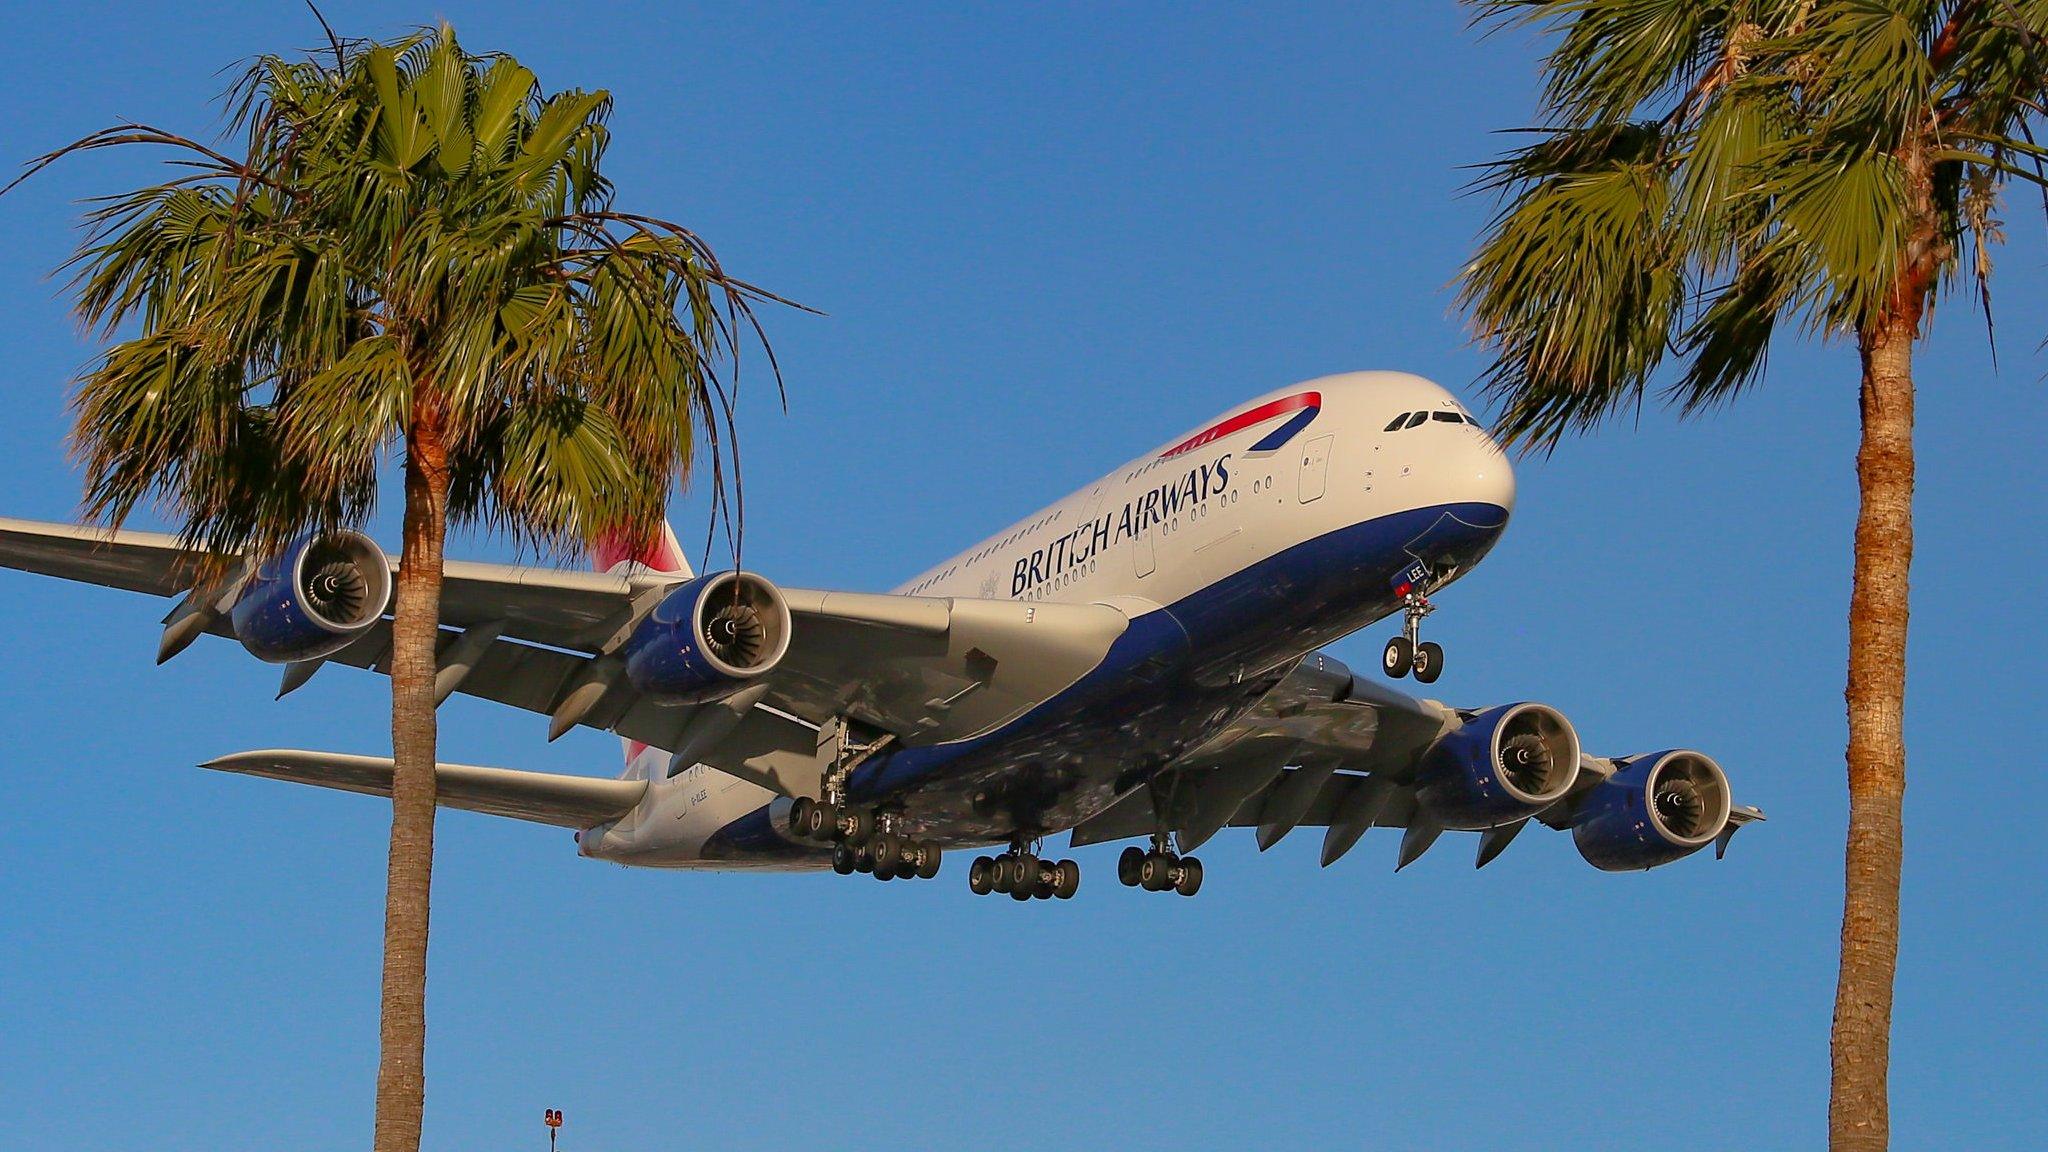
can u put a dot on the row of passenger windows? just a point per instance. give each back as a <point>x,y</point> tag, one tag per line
<point>1411,419</point>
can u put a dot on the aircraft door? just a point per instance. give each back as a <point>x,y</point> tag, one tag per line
<point>1315,468</point>
<point>1142,552</point>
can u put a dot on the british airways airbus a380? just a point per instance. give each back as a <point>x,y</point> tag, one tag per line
<point>1139,660</point>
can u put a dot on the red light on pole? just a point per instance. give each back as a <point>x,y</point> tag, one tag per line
<point>554,1122</point>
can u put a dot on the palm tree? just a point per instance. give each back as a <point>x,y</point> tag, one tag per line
<point>416,255</point>
<point>1707,172</point>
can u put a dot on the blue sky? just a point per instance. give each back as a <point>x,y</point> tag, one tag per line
<point>1045,242</point>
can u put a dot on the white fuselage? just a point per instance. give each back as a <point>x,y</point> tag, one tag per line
<point>1333,453</point>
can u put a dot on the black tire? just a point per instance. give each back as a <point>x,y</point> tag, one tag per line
<point>929,858</point>
<point>981,876</point>
<point>860,826</point>
<point>863,860</point>
<point>1398,658</point>
<point>842,860</point>
<point>800,818</point>
<point>887,850</point>
<point>1024,870</point>
<point>1429,662</point>
<point>1190,881</point>
<point>1021,892</point>
<point>1157,873</point>
<point>1130,866</point>
<point>1066,879</point>
<point>1000,875</point>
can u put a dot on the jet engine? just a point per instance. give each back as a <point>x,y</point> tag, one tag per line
<point>708,637</point>
<point>1503,764</point>
<point>1656,808</point>
<point>313,599</point>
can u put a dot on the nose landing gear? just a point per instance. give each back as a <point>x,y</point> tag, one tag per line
<point>1408,652</point>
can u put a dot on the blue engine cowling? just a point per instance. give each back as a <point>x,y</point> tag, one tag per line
<point>1655,808</point>
<point>313,599</point>
<point>708,637</point>
<point>1503,764</point>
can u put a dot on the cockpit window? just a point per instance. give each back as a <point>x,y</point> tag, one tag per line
<point>1415,418</point>
<point>1394,425</point>
<point>1448,417</point>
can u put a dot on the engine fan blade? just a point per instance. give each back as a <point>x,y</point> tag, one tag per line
<point>1526,761</point>
<point>337,590</point>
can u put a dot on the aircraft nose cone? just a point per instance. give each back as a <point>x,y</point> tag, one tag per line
<point>1485,476</point>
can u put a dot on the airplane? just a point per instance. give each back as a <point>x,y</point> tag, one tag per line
<point>1138,661</point>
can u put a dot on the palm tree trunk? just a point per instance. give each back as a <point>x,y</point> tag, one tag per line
<point>415,628</point>
<point>1859,1118</point>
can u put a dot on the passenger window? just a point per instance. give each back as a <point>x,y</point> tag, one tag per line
<point>1415,418</point>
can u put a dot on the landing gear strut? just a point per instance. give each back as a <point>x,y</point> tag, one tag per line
<point>1159,870</point>
<point>1020,873</point>
<point>1408,652</point>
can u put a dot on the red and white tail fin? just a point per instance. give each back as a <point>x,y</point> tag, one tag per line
<point>660,553</point>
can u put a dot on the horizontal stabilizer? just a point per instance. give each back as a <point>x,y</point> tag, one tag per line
<point>543,797</point>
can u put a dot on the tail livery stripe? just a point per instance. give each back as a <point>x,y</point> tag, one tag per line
<point>659,552</point>
<point>1304,405</point>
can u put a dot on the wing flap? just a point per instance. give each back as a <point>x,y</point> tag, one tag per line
<point>542,797</point>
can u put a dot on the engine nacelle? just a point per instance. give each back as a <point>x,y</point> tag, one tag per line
<point>1504,764</point>
<point>313,599</point>
<point>1656,808</point>
<point>708,637</point>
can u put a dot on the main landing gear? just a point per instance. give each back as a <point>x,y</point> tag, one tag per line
<point>1159,870</point>
<point>1021,874</point>
<point>1408,652</point>
<point>864,841</point>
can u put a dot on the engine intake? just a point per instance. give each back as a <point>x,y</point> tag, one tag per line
<point>1502,765</point>
<point>313,599</point>
<point>708,637</point>
<point>1656,808</point>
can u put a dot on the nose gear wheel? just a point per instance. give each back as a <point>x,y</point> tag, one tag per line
<point>1409,653</point>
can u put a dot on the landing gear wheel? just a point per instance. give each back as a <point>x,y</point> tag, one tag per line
<point>1130,866</point>
<point>887,850</point>
<point>863,860</point>
<point>842,860</point>
<point>1024,875</point>
<point>1156,873</point>
<point>800,817</point>
<point>858,826</point>
<point>1066,879</point>
<point>927,861</point>
<point>1190,881</point>
<point>1429,661</point>
<point>1398,658</point>
<point>981,878</point>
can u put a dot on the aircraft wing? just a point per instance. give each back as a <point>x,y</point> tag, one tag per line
<point>912,669</point>
<point>1326,749</point>
<point>542,797</point>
